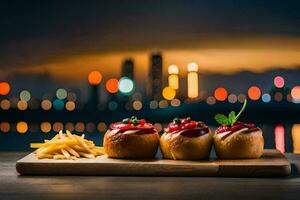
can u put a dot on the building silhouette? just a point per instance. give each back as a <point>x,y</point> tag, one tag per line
<point>128,68</point>
<point>155,76</point>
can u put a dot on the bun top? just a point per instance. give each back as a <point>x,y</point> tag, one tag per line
<point>187,127</point>
<point>132,125</point>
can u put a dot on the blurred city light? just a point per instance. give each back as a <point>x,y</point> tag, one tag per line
<point>5,104</point>
<point>22,127</point>
<point>163,104</point>
<point>173,78</point>
<point>112,105</point>
<point>278,96</point>
<point>279,81</point>
<point>210,100</point>
<point>112,85</point>
<point>126,86</point>
<point>70,106</point>
<point>58,104</point>
<point>296,138</point>
<point>4,88</point>
<point>57,126</point>
<point>61,93</point>
<point>22,105</point>
<point>69,126</point>
<point>102,127</point>
<point>153,104</point>
<point>241,98</point>
<point>175,102</point>
<point>192,80</point>
<point>169,93</point>
<point>137,105</point>
<point>4,127</point>
<point>79,127</point>
<point>254,93</point>
<point>232,98</point>
<point>45,127</point>
<point>158,127</point>
<point>94,78</point>
<point>279,138</point>
<point>25,95</point>
<point>266,98</point>
<point>72,96</point>
<point>220,94</point>
<point>296,93</point>
<point>90,127</point>
<point>46,104</point>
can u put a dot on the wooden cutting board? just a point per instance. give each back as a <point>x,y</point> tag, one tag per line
<point>272,163</point>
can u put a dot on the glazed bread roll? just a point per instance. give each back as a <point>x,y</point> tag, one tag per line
<point>239,141</point>
<point>184,139</point>
<point>131,138</point>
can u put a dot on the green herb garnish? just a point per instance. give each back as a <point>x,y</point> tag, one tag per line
<point>232,118</point>
<point>176,120</point>
<point>126,121</point>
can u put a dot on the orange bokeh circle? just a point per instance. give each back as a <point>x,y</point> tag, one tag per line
<point>4,88</point>
<point>221,94</point>
<point>94,77</point>
<point>112,85</point>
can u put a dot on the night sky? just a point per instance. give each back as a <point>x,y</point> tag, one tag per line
<point>58,35</point>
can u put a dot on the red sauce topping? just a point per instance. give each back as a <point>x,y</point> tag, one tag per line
<point>187,127</point>
<point>235,127</point>
<point>133,124</point>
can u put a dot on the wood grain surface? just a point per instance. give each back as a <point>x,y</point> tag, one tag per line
<point>272,163</point>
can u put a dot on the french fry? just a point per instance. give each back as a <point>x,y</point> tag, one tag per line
<point>67,146</point>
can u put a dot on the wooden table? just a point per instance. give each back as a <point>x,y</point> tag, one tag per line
<point>13,186</point>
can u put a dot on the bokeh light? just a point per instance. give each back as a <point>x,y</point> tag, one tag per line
<point>69,126</point>
<point>61,93</point>
<point>72,96</point>
<point>57,126</point>
<point>158,127</point>
<point>45,127</point>
<point>153,104</point>
<point>94,78</point>
<point>175,102</point>
<point>279,81</point>
<point>46,104</point>
<point>254,93</point>
<point>137,105</point>
<point>5,104</point>
<point>90,127</point>
<point>58,104</point>
<point>112,105</point>
<point>22,127</point>
<point>102,127</point>
<point>173,69</point>
<point>22,105</point>
<point>241,98</point>
<point>4,88</point>
<point>278,96</point>
<point>220,94</point>
<point>163,104</point>
<point>25,95</point>
<point>169,93</point>
<point>296,93</point>
<point>70,106</point>
<point>4,127</point>
<point>79,127</point>
<point>112,85</point>
<point>211,100</point>
<point>126,86</point>
<point>266,98</point>
<point>232,98</point>
<point>192,67</point>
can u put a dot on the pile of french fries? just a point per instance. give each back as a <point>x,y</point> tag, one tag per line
<point>67,146</point>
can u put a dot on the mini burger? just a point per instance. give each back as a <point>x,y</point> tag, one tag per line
<point>185,139</point>
<point>235,139</point>
<point>131,138</point>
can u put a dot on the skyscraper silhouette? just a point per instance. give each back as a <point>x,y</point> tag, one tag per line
<point>155,76</point>
<point>128,68</point>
